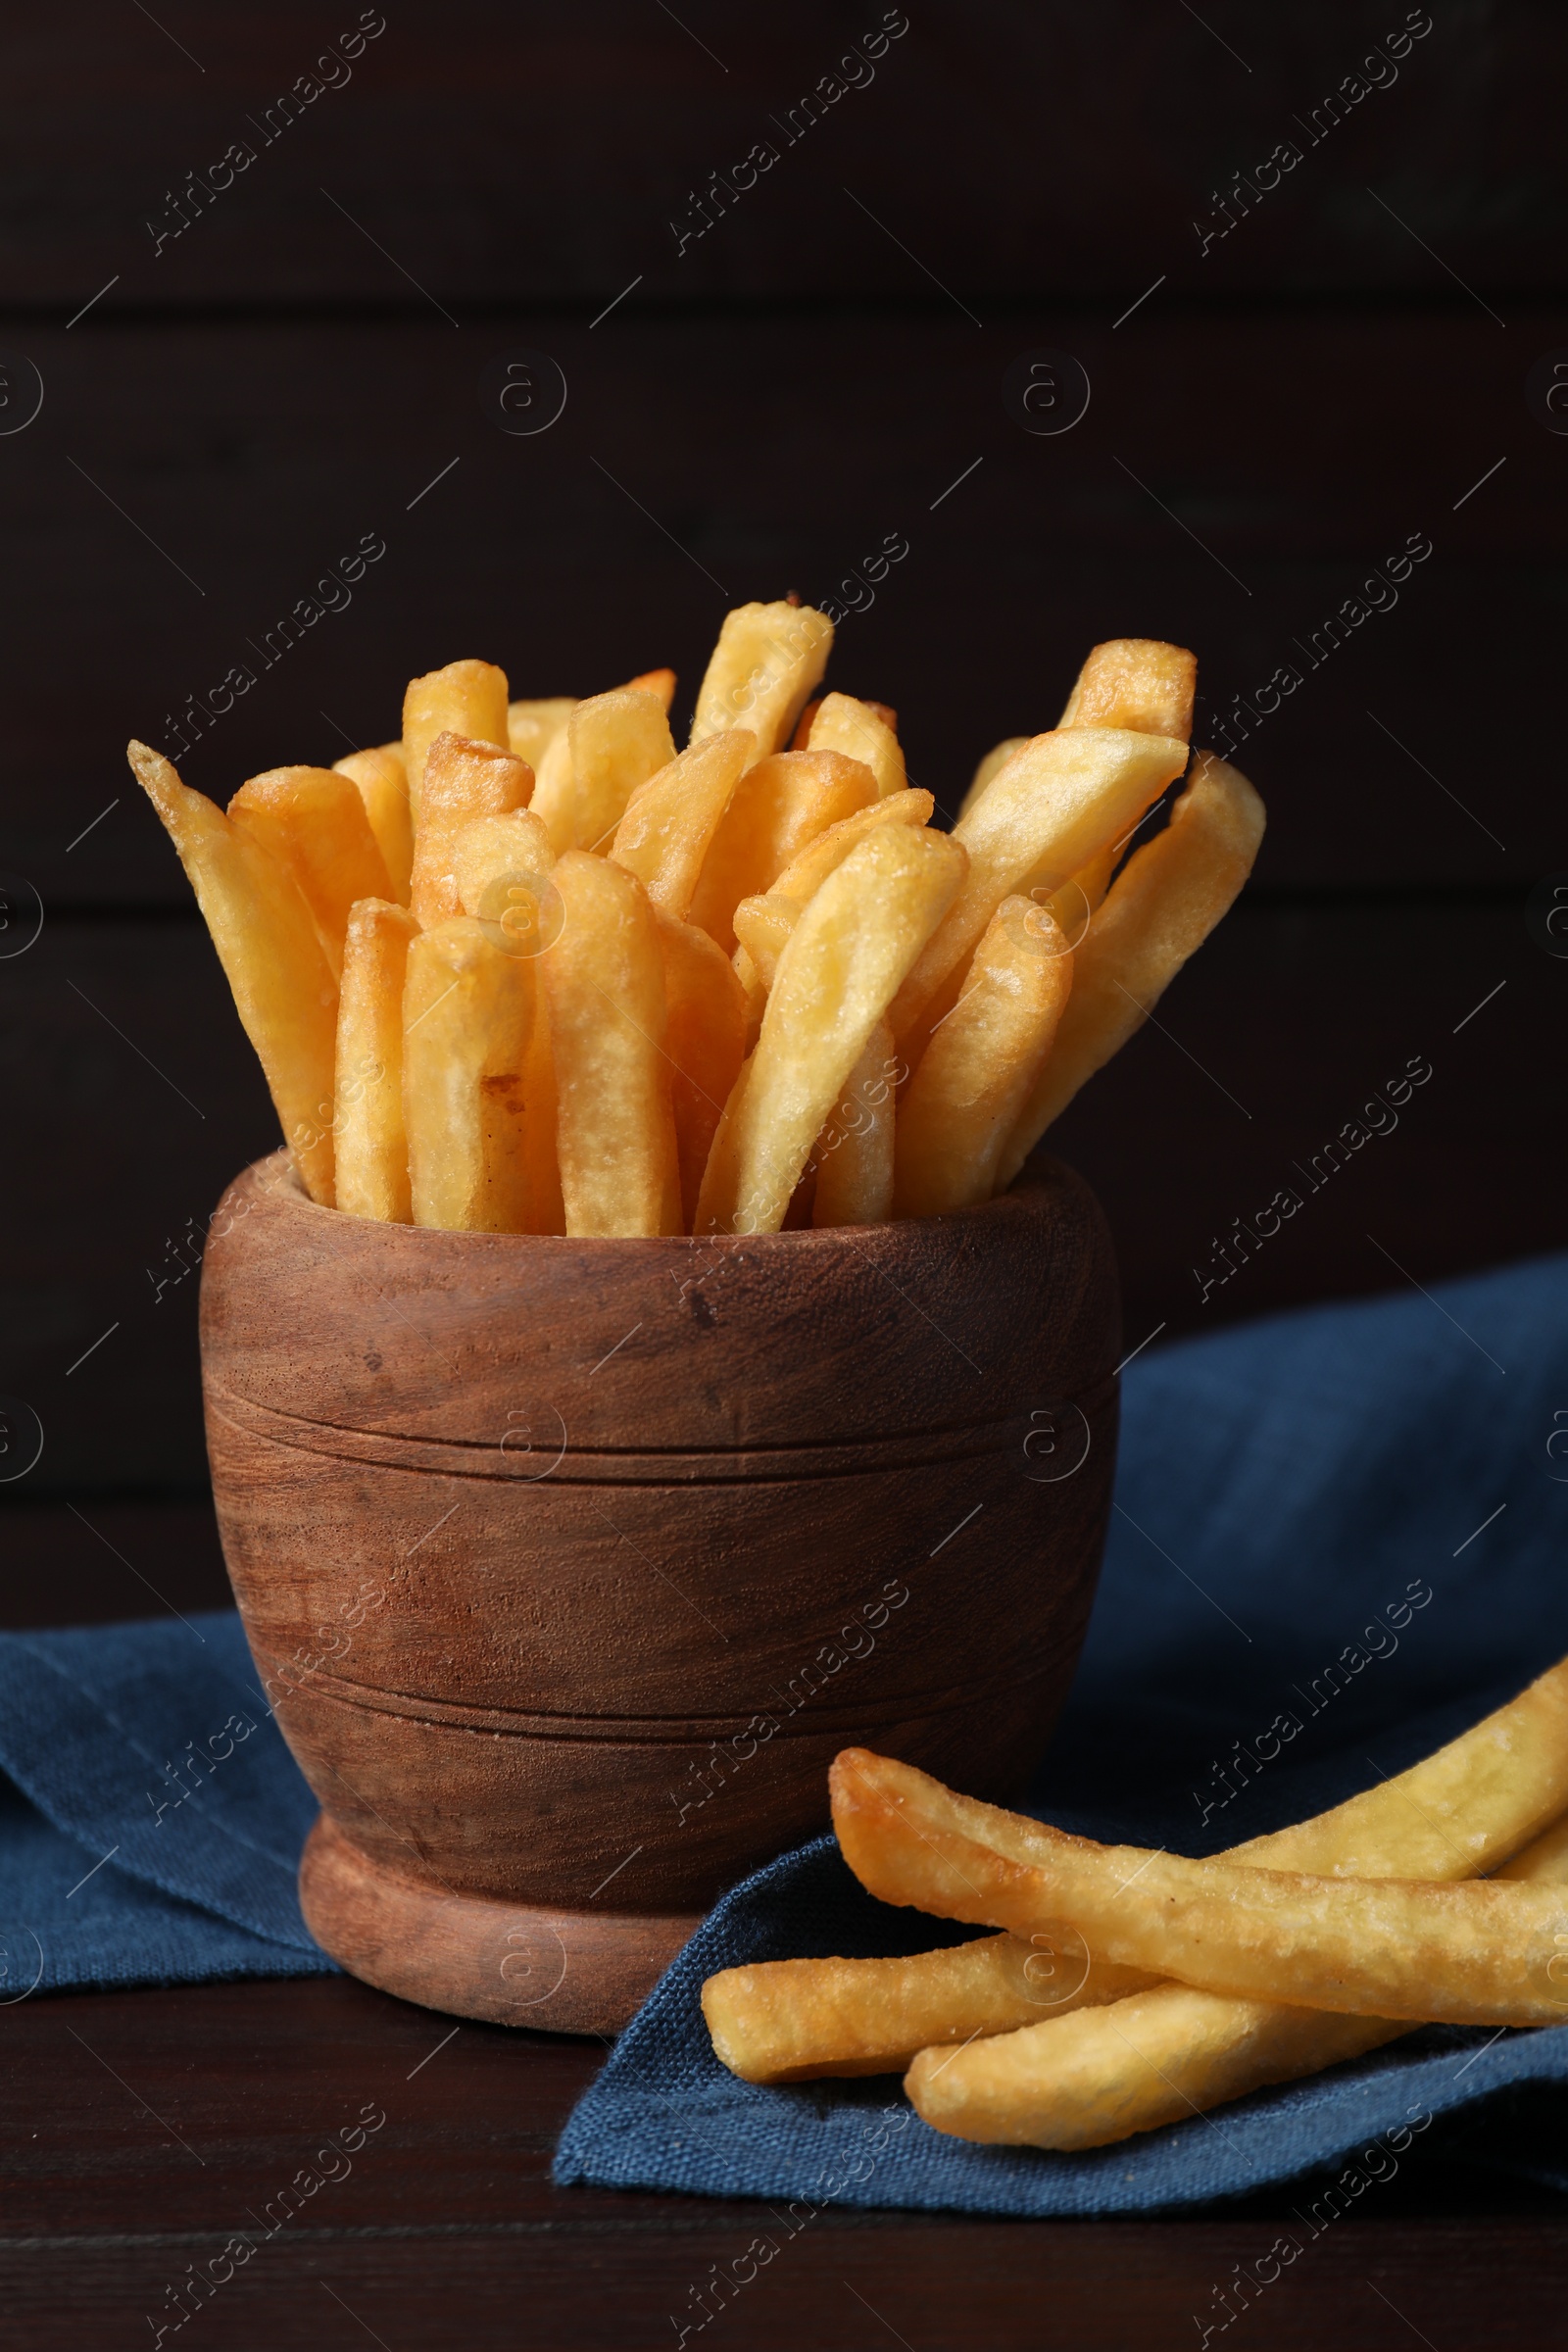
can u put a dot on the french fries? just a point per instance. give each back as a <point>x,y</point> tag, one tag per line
<point>1468,1954</point>
<point>468,1010</point>
<point>372,1144</point>
<point>791,2020</point>
<point>811,865</point>
<point>800,740</point>
<point>466,698</point>
<point>285,991</point>
<point>657,682</point>
<point>843,724</point>
<point>854,1154</point>
<point>314,822</point>
<point>617,742</point>
<point>705,1038</point>
<point>1161,908</point>
<point>1058,802</point>
<point>1135,682</point>
<point>501,865</point>
<point>995,761</point>
<point>669,821</point>
<point>463,779</point>
<point>632,1082</point>
<point>1155,2057</point>
<point>382,786</point>
<point>975,1074</point>
<point>765,664</point>
<point>1454,1814</point>
<point>853,943</point>
<point>532,726</point>
<point>615,1121</point>
<point>780,804</point>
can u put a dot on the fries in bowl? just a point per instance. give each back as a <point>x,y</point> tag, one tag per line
<point>530,968</point>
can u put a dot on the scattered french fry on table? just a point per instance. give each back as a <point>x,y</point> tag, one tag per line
<point>1069,2048</point>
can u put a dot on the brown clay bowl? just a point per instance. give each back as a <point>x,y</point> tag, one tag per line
<point>568,1565</point>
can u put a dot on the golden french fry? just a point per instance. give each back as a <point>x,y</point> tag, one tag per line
<point>468,1010</point>
<point>763,927</point>
<point>853,944</point>
<point>779,805</point>
<point>755,988</point>
<point>705,1037</point>
<point>466,698</point>
<point>463,779</point>
<point>614,1125</point>
<point>1448,1816</point>
<point>284,988</point>
<point>1084,2081</point>
<point>669,821</point>
<point>532,726</point>
<point>617,742</point>
<point>372,1145</point>
<point>853,1156</point>
<point>1164,903</point>
<point>1473,1954</point>
<point>809,868</point>
<point>995,761</point>
<point>1074,904</point>
<point>657,682</point>
<point>553,801</point>
<point>800,740</point>
<point>313,820</point>
<point>965,1099</point>
<point>766,662</point>
<point>501,865</point>
<point>843,724</point>
<point>503,868</point>
<point>377,776</point>
<point>788,2021</point>
<point>1137,682</point>
<point>1039,820</point>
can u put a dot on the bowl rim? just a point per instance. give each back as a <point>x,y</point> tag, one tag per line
<point>277,1174</point>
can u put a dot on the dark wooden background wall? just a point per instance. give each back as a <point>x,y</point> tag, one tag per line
<point>226,412</point>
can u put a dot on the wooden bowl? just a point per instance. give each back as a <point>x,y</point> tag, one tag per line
<point>569,1565</point>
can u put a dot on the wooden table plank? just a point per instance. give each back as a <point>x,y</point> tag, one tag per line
<point>144,2129</point>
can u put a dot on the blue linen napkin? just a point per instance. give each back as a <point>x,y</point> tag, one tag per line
<point>151,1831</point>
<point>1349,1520</point>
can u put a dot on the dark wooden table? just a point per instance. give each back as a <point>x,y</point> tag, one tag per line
<point>142,2130</point>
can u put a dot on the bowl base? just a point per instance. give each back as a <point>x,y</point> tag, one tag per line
<point>512,1964</point>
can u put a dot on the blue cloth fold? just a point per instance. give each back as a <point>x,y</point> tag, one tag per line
<point>1348,1521</point>
<point>152,1828</point>
<point>1351,1519</point>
